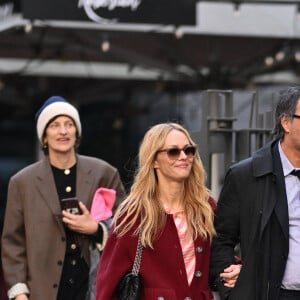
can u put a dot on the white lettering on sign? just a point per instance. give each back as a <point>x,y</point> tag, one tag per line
<point>90,5</point>
<point>6,10</point>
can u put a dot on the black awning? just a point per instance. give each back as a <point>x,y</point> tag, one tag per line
<point>175,12</point>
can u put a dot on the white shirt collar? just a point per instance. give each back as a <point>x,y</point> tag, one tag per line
<point>286,164</point>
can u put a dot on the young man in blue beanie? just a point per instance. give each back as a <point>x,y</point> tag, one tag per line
<point>45,247</point>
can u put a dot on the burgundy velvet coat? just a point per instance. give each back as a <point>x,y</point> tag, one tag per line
<point>162,268</point>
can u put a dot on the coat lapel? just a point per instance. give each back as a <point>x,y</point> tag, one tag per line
<point>85,182</point>
<point>276,200</point>
<point>46,187</point>
<point>281,207</point>
<point>269,201</point>
<point>263,168</point>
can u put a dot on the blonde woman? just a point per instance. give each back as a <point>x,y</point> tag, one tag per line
<point>170,202</point>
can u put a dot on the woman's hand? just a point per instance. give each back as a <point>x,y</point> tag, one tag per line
<point>21,297</point>
<point>80,223</point>
<point>230,275</point>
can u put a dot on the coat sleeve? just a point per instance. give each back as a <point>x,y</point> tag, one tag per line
<point>227,227</point>
<point>13,238</point>
<point>116,260</point>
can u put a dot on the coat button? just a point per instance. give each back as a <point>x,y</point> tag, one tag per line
<point>55,285</point>
<point>73,246</point>
<point>199,249</point>
<point>67,171</point>
<point>59,262</point>
<point>68,189</point>
<point>73,262</point>
<point>198,274</point>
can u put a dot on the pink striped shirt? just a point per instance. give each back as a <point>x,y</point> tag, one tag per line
<point>187,244</point>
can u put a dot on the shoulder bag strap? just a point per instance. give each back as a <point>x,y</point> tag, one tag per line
<point>138,255</point>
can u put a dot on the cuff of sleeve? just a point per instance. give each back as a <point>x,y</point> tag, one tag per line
<point>17,289</point>
<point>100,245</point>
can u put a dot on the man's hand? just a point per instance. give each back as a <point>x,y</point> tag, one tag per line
<point>230,275</point>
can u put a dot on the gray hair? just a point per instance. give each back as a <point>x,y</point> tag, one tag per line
<point>286,106</point>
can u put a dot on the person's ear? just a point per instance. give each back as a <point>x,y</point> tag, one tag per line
<point>285,123</point>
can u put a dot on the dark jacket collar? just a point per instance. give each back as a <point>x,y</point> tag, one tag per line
<point>263,159</point>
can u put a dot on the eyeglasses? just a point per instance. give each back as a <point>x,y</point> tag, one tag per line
<point>296,116</point>
<point>174,153</point>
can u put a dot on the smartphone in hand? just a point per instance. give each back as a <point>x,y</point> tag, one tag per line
<point>71,205</point>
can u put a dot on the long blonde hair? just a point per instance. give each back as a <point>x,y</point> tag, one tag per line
<point>142,205</point>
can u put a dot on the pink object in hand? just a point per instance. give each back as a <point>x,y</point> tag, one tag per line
<point>102,204</point>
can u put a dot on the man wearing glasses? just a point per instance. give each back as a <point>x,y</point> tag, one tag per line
<point>259,209</point>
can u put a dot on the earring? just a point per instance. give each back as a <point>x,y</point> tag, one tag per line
<point>45,146</point>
